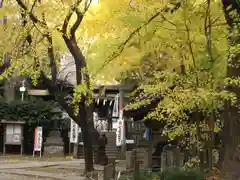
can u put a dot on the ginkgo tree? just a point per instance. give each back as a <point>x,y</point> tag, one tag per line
<point>39,22</point>
<point>60,33</point>
<point>193,34</point>
<point>64,25</point>
<point>121,33</point>
<point>196,40</point>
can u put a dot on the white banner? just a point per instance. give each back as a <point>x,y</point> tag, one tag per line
<point>120,133</point>
<point>74,132</point>
<point>95,119</point>
<point>115,112</point>
<point>38,138</point>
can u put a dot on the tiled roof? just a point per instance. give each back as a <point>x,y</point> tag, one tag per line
<point>67,72</point>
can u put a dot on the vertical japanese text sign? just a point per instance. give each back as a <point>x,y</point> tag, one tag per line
<point>38,138</point>
<point>73,132</point>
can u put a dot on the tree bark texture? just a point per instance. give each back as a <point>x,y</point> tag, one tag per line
<point>86,135</point>
<point>230,134</point>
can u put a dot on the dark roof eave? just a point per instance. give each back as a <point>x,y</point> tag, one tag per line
<point>124,87</point>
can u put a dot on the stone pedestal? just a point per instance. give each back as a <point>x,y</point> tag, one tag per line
<point>53,147</point>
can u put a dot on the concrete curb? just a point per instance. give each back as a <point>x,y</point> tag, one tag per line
<point>35,164</point>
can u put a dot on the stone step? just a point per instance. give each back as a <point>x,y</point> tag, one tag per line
<point>110,151</point>
<point>54,134</point>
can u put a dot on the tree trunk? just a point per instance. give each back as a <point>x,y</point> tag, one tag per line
<point>230,134</point>
<point>87,141</point>
<point>90,134</point>
<point>82,118</point>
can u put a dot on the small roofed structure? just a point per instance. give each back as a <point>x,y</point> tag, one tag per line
<point>13,134</point>
<point>141,112</point>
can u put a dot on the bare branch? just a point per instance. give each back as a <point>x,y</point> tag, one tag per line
<point>68,17</point>
<point>34,4</point>
<point>77,23</point>
<point>87,5</point>
<point>6,63</point>
<point>189,42</point>
<point>170,22</point>
<point>65,23</point>
<point>31,15</point>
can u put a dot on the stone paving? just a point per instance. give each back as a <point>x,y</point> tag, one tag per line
<point>17,177</point>
<point>31,170</point>
<point>36,163</point>
<point>19,170</point>
<point>41,175</point>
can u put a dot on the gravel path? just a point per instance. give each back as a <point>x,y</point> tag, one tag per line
<point>21,170</point>
<point>46,170</point>
<point>16,177</point>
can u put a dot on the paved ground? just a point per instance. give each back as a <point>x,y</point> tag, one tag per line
<point>45,170</point>
<point>19,177</point>
<point>21,170</point>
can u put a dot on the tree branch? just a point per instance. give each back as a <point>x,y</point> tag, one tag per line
<point>136,31</point>
<point>31,15</point>
<point>6,64</point>
<point>59,97</point>
<point>87,5</point>
<point>65,23</point>
<point>51,57</point>
<point>123,45</point>
<point>34,4</point>
<point>77,23</point>
<point>68,17</point>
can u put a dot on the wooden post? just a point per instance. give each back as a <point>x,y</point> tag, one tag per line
<point>4,139</point>
<point>121,106</point>
<point>150,148</point>
<point>22,139</point>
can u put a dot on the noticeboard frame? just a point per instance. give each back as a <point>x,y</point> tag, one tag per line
<point>12,135</point>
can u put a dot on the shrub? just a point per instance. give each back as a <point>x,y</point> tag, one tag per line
<point>35,112</point>
<point>172,174</point>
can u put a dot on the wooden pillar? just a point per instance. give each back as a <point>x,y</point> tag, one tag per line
<point>121,99</point>
<point>4,139</point>
<point>150,148</point>
<point>121,106</point>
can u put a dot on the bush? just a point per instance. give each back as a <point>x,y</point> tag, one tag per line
<point>35,112</point>
<point>172,174</point>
